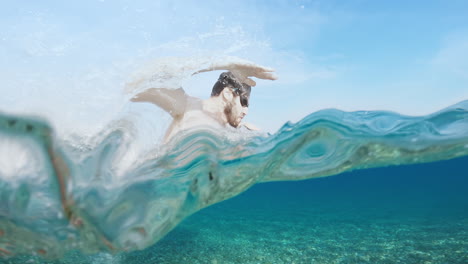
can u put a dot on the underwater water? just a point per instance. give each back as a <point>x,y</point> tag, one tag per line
<point>406,214</point>
<point>63,202</point>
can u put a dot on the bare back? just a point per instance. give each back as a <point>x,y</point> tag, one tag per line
<point>195,115</point>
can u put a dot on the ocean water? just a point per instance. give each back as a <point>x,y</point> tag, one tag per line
<point>70,202</point>
<point>405,214</point>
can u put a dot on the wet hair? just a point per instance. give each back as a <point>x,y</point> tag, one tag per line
<point>227,79</point>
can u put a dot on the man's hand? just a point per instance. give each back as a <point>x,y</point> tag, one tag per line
<point>242,69</point>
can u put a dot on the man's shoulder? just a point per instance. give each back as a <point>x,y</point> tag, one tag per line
<point>193,103</point>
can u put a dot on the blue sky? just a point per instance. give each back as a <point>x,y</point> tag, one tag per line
<point>352,55</point>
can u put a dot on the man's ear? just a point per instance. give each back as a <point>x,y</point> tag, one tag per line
<point>227,94</point>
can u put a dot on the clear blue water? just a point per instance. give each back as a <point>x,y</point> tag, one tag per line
<point>59,198</point>
<point>405,214</point>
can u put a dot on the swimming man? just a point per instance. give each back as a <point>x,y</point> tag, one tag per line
<point>226,107</point>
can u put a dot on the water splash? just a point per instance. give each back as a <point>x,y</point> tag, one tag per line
<point>60,196</point>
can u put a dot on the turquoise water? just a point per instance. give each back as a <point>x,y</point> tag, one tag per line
<point>60,197</point>
<point>407,214</point>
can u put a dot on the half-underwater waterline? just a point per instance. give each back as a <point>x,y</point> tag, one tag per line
<point>61,198</point>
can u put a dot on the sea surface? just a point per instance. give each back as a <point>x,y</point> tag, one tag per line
<point>234,197</point>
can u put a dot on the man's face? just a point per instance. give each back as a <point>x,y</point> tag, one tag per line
<point>235,111</point>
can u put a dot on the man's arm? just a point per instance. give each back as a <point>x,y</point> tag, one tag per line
<point>242,69</point>
<point>172,101</point>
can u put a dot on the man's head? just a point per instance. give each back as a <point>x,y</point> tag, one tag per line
<point>236,96</point>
